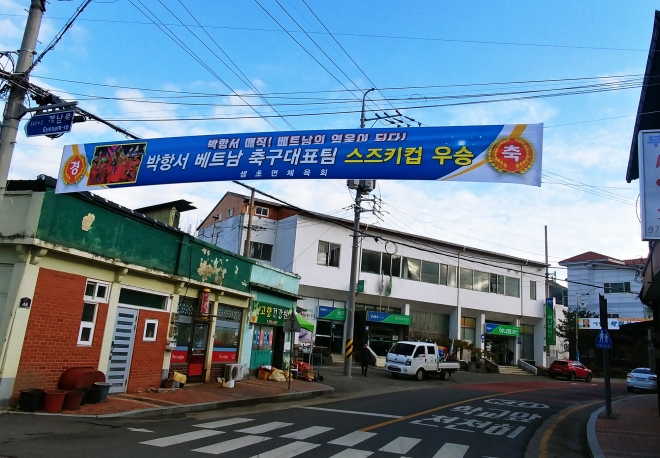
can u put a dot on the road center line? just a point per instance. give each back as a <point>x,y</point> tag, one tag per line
<point>435,409</point>
<point>352,412</point>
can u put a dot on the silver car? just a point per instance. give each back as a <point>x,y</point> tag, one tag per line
<point>642,378</point>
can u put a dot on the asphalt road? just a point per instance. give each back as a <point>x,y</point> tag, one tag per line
<point>499,417</point>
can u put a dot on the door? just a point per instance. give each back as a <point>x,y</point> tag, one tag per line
<point>431,358</point>
<point>198,352</point>
<point>419,358</point>
<point>337,345</point>
<point>121,351</point>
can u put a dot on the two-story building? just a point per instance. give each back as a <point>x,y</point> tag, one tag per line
<point>410,287</point>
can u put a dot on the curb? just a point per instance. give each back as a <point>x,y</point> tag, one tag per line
<point>592,439</point>
<point>204,406</point>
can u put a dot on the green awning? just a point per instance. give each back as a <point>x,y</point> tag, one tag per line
<point>304,323</point>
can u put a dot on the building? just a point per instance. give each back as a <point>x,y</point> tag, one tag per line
<point>410,287</point>
<point>590,274</point>
<point>86,282</point>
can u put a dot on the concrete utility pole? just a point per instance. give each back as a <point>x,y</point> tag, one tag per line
<point>14,107</point>
<point>350,306</point>
<point>248,238</point>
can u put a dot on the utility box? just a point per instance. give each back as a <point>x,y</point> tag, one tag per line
<point>364,185</point>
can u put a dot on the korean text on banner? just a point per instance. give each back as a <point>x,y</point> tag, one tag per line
<point>498,154</point>
<point>648,146</point>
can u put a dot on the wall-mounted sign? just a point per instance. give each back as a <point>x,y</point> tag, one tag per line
<point>495,329</point>
<point>204,302</point>
<point>25,303</point>
<point>499,154</point>
<point>550,321</point>
<point>265,313</point>
<point>381,317</point>
<point>648,146</point>
<point>331,313</point>
<point>360,286</point>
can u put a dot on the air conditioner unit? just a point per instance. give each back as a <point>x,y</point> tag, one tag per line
<point>233,372</point>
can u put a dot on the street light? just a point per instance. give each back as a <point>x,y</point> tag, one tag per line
<point>363,118</point>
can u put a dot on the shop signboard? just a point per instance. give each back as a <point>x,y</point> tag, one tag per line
<point>648,146</point>
<point>331,313</point>
<point>495,329</point>
<point>613,324</point>
<point>265,313</point>
<point>381,317</point>
<point>550,321</point>
<point>496,154</point>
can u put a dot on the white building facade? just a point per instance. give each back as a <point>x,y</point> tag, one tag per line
<point>410,287</point>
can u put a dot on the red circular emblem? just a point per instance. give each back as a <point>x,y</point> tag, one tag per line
<point>74,169</point>
<point>511,155</point>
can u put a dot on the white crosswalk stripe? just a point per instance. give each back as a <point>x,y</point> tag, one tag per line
<point>452,451</point>
<point>352,439</point>
<point>308,432</point>
<point>223,423</point>
<point>233,444</point>
<point>400,445</point>
<point>266,427</point>
<point>286,451</point>
<point>352,453</point>
<point>180,438</point>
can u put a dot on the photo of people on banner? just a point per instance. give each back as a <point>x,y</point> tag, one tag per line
<point>116,164</point>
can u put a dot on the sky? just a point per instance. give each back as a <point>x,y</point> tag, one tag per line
<point>169,68</point>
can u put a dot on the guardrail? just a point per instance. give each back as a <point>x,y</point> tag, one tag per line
<point>528,367</point>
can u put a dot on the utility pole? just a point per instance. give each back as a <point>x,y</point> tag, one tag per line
<point>14,107</point>
<point>248,238</point>
<point>547,283</point>
<point>350,306</point>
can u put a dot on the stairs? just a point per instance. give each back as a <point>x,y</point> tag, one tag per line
<point>512,370</point>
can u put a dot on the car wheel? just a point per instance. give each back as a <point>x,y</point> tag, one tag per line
<point>419,375</point>
<point>443,375</point>
<point>571,377</point>
<point>630,390</point>
<point>588,379</point>
<point>553,375</point>
<point>395,375</point>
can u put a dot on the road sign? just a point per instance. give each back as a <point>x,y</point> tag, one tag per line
<point>56,122</point>
<point>483,337</point>
<point>603,340</point>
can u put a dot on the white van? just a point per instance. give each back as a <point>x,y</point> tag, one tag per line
<point>418,359</point>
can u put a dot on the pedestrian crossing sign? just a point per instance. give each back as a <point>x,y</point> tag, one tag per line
<point>603,340</point>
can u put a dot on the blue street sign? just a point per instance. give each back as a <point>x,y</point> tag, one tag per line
<point>603,340</point>
<point>56,122</point>
<point>483,337</point>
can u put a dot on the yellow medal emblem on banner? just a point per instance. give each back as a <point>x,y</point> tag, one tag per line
<point>511,155</point>
<point>74,169</point>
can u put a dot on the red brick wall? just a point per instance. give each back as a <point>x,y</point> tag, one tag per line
<point>51,339</point>
<point>147,361</point>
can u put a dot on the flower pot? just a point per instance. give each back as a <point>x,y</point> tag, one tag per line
<point>104,389</point>
<point>85,391</point>
<point>73,399</point>
<point>93,395</point>
<point>53,400</point>
<point>31,400</point>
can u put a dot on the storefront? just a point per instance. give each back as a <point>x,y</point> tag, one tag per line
<point>268,337</point>
<point>380,330</point>
<point>330,328</point>
<point>500,340</point>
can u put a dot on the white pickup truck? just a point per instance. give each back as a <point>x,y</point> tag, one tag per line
<point>418,359</point>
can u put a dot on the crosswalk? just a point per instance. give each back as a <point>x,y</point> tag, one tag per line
<point>303,440</point>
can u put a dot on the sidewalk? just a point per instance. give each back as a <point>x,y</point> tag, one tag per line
<point>635,432</point>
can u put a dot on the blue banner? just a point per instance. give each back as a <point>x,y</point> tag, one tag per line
<point>502,154</point>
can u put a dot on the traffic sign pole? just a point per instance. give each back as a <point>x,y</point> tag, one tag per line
<point>606,353</point>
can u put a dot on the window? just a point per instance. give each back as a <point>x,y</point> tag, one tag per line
<point>96,291</point>
<point>411,268</point>
<point>87,321</point>
<point>468,328</point>
<point>261,211</point>
<point>150,330</point>
<point>512,286</point>
<point>617,287</point>
<point>497,284</point>
<point>481,281</point>
<point>430,272</point>
<point>142,299</point>
<point>419,351</point>
<point>328,254</point>
<point>262,251</point>
<point>465,278</point>
<point>370,262</point>
<point>430,349</point>
<point>532,290</point>
<point>391,265</point>
<point>451,276</point>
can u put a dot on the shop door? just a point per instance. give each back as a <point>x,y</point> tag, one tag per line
<point>198,348</point>
<point>337,343</point>
<point>121,351</point>
<point>262,346</point>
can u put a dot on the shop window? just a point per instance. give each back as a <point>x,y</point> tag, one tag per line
<point>96,291</point>
<point>87,322</point>
<point>512,287</point>
<point>150,330</point>
<point>226,337</point>
<point>391,265</point>
<point>466,278</point>
<point>411,268</point>
<point>532,290</point>
<point>261,251</point>
<point>261,211</point>
<point>430,272</point>
<point>370,262</point>
<point>481,281</point>
<point>129,296</point>
<point>328,254</point>
<point>612,288</point>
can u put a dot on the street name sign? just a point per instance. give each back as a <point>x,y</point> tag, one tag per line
<point>53,123</point>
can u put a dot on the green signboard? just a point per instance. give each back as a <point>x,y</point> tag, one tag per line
<point>380,317</point>
<point>331,313</point>
<point>360,286</point>
<point>502,330</point>
<point>266,313</point>
<point>549,321</point>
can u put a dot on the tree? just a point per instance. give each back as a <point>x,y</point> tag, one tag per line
<point>566,327</point>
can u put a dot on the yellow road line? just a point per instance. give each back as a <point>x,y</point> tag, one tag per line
<point>543,447</point>
<point>424,412</point>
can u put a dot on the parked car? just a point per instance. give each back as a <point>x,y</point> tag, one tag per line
<point>418,359</point>
<point>570,369</point>
<point>642,378</point>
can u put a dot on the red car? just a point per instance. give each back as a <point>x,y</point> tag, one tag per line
<point>570,369</point>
